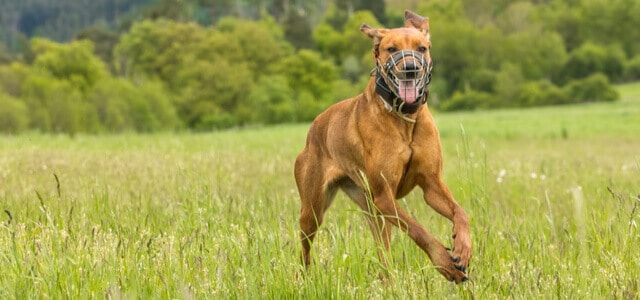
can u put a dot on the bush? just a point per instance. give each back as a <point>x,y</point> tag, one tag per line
<point>56,105</point>
<point>307,70</point>
<point>591,58</point>
<point>483,80</point>
<point>220,120</point>
<point>151,108</point>
<point>11,78</point>
<point>632,69</point>
<point>270,101</point>
<point>121,106</point>
<point>591,89</point>
<point>468,100</point>
<point>13,114</point>
<point>541,92</point>
<point>307,107</point>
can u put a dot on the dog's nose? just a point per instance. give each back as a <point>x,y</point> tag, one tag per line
<point>410,66</point>
<point>411,70</point>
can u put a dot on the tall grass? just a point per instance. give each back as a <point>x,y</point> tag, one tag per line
<point>552,194</point>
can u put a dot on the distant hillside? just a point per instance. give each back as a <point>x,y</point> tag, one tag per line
<point>59,20</point>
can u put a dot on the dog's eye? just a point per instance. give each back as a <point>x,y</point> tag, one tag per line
<point>422,49</point>
<point>392,49</point>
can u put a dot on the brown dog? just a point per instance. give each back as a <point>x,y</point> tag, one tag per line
<point>378,146</point>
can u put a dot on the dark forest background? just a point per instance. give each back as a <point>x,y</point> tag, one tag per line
<point>146,65</point>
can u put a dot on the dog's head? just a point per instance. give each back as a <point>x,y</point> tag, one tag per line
<point>402,57</point>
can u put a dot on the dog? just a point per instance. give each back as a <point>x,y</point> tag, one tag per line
<point>378,146</point>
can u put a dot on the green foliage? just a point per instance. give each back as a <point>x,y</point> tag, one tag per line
<point>13,114</point>
<point>632,69</point>
<point>540,92</point>
<point>11,78</point>
<point>205,64</point>
<point>348,40</point>
<point>483,80</point>
<point>122,106</point>
<point>56,105</point>
<point>261,47</point>
<point>468,100</point>
<point>297,30</point>
<point>508,82</point>
<point>307,71</point>
<point>603,22</point>
<point>210,88</point>
<point>456,59</point>
<point>591,58</point>
<point>5,56</point>
<point>271,101</point>
<point>539,54</point>
<point>210,71</point>
<point>155,48</point>
<point>73,62</point>
<point>103,40</point>
<point>591,89</point>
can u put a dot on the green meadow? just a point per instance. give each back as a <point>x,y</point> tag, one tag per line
<point>552,194</point>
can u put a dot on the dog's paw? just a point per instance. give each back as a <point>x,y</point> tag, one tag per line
<point>461,251</point>
<point>449,267</point>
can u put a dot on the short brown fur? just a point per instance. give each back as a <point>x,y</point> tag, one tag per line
<point>359,136</point>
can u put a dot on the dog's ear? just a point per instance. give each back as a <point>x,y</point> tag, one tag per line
<point>374,33</point>
<point>413,20</point>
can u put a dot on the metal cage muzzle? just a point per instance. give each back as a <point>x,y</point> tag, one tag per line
<point>407,74</point>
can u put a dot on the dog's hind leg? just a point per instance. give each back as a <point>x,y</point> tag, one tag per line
<point>315,196</point>
<point>380,228</point>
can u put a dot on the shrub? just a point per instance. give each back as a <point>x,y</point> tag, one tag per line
<point>55,105</point>
<point>541,92</point>
<point>120,106</point>
<point>483,80</point>
<point>591,58</point>
<point>468,100</point>
<point>13,114</point>
<point>591,89</point>
<point>307,107</point>
<point>270,101</point>
<point>632,69</point>
<point>219,120</point>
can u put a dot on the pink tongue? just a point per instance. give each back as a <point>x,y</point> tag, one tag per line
<point>407,90</point>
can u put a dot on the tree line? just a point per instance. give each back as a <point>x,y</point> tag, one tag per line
<point>202,65</point>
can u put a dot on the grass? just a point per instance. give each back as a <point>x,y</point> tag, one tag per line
<point>552,194</point>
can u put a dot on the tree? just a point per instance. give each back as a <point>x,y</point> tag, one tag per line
<point>348,43</point>
<point>590,58</point>
<point>593,88</point>
<point>539,54</point>
<point>121,105</point>
<point>103,40</point>
<point>271,101</point>
<point>155,48</point>
<point>297,30</point>
<point>73,62</point>
<point>13,114</point>
<point>308,71</point>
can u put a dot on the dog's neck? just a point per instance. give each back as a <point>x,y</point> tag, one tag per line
<point>379,90</point>
<point>392,101</point>
<point>406,122</point>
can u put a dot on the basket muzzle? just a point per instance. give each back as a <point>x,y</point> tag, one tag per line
<point>406,72</point>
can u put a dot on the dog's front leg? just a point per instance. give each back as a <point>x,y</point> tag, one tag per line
<point>388,207</point>
<point>438,196</point>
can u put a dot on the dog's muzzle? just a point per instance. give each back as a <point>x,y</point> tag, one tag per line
<point>403,79</point>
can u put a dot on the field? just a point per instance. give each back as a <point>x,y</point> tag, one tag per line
<point>552,194</point>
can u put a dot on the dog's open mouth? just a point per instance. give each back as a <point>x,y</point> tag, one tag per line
<point>408,90</point>
<point>407,74</point>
